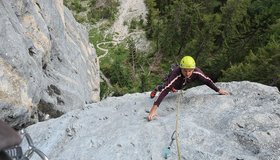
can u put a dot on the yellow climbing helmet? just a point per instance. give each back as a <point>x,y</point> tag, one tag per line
<point>187,62</point>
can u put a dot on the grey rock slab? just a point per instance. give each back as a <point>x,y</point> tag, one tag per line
<point>244,125</point>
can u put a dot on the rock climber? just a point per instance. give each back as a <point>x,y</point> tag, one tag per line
<point>177,79</point>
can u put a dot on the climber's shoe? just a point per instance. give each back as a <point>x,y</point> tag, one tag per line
<point>174,90</point>
<point>153,94</point>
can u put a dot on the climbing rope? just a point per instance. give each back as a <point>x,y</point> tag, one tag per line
<point>179,99</point>
<point>166,151</point>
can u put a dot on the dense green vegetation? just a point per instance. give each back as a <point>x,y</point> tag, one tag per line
<point>126,68</point>
<point>92,11</point>
<point>230,40</point>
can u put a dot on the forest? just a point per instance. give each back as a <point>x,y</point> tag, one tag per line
<point>231,40</point>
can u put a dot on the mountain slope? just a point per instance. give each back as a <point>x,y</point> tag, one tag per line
<point>244,125</point>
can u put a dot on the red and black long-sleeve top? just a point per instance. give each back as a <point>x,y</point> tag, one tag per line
<point>178,81</point>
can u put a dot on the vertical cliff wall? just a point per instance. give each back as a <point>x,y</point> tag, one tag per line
<point>46,61</point>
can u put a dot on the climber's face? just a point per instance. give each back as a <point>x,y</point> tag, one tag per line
<point>187,72</point>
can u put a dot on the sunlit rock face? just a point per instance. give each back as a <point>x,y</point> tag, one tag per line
<point>47,65</point>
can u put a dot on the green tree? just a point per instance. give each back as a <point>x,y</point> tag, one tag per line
<point>132,57</point>
<point>102,9</point>
<point>262,66</point>
<point>219,34</point>
<point>153,20</point>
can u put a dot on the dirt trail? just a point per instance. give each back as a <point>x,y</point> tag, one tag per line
<point>128,10</point>
<point>105,50</point>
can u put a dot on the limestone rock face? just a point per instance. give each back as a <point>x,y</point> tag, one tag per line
<point>46,61</point>
<point>244,125</point>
